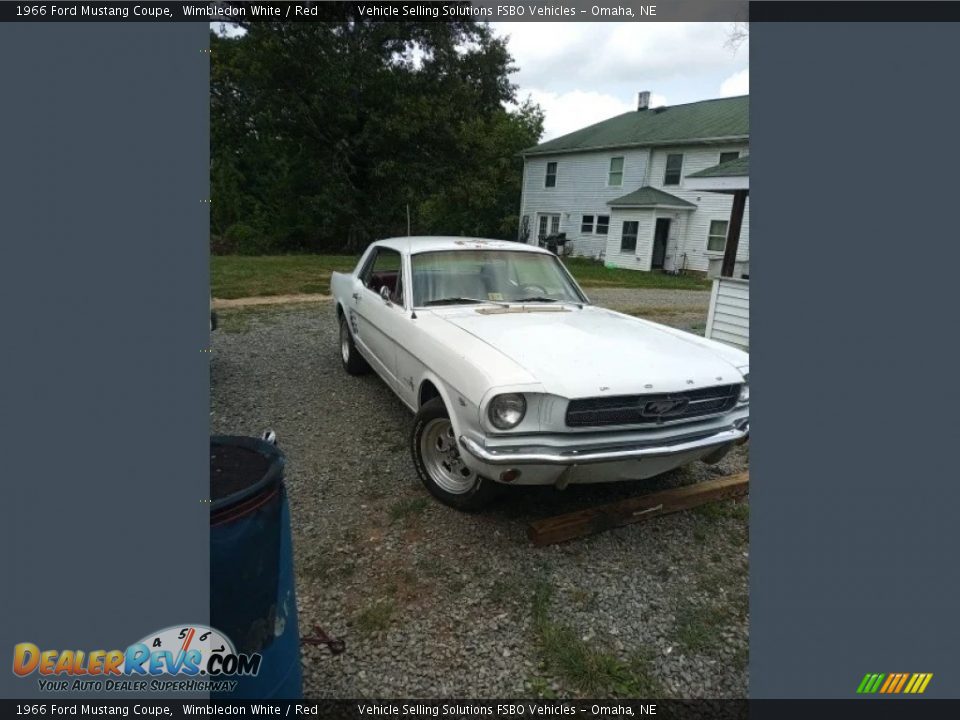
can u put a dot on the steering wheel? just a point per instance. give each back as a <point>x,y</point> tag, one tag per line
<point>534,290</point>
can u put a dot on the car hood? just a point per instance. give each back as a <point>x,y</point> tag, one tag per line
<point>591,351</point>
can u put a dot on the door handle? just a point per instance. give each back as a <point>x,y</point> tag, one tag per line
<point>356,296</point>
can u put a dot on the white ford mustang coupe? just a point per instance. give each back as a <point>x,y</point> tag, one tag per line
<point>515,378</point>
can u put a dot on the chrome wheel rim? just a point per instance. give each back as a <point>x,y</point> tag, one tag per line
<point>441,457</point>
<point>344,343</point>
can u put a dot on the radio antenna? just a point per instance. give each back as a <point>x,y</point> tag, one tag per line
<point>413,313</point>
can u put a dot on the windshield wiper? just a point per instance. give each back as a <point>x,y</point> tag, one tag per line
<point>535,299</point>
<point>459,301</point>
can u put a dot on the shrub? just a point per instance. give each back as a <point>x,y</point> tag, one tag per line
<point>241,239</point>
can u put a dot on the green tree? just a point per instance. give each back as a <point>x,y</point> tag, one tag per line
<point>323,134</point>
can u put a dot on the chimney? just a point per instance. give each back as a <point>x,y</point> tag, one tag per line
<point>643,100</point>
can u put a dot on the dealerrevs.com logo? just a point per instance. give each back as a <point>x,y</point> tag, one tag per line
<point>181,658</point>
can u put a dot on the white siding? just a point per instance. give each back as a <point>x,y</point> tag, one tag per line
<point>581,190</point>
<point>639,260</point>
<point>728,319</point>
<point>643,257</point>
<point>710,206</point>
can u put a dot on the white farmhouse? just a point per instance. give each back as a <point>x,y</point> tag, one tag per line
<point>619,190</point>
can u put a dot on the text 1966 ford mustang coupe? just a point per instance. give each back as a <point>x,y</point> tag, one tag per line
<point>516,378</point>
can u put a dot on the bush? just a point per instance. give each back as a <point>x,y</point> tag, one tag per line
<point>241,239</point>
<point>219,245</point>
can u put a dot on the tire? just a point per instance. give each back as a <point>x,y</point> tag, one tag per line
<point>352,361</point>
<point>436,455</point>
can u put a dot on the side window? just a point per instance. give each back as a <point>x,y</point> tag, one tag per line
<point>615,176</point>
<point>674,169</point>
<point>717,236</point>
<point>628,238</point>
<point>385,271</point>
<point>551,177</point>
<point>728,156</point>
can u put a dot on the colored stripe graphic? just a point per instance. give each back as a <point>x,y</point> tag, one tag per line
<point>894,683</point>
<point>890,680</point>
<point>903,680</point>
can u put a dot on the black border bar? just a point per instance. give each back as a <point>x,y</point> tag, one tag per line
<point>459,10</point>
<point>917,709</point>
<point>854,11</point>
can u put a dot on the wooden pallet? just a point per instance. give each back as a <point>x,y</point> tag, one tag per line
<point>581,523</point>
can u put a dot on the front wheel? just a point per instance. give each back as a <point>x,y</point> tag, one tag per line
<point>353,363</point>
<point>436,455</point>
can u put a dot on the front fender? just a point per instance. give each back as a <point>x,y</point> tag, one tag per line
<point>459,407</point>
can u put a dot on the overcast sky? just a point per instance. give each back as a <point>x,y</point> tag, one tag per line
<point>581,73</point>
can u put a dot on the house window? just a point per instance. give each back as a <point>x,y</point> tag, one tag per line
<point>628,239</point>
<point>603,224</point>
<point>717,236</point>
<point>674,169</point>
<point>586,224</point>
<point>616,171</point>
<point>551,179</point>
<point>728,156</point>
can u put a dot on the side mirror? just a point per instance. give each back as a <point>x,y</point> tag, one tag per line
<point>385,294</point>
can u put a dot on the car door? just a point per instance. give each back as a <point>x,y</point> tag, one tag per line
<point>379,301</point>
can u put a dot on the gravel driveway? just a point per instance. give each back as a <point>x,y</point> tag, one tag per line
<point>434,603</point>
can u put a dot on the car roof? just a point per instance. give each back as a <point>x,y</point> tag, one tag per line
<point>429,243</point>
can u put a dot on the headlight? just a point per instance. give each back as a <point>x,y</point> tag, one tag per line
<point>506,411</point>
<point>744,390</point>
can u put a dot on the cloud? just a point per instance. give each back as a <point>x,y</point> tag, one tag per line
<point>736,84</point>
<point>569,111</point>
<point>582,73</point>
<point>556,56</point>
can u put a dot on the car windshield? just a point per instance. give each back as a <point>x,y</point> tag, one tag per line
<point>454,277</point>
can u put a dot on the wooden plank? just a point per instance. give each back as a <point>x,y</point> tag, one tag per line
<point>633,510</point>
<point>741,341</point>
<point>731,289</point>
<point>741,329</point>
<point>731,324</point>
<point>724,312</point>
<point>727,301</point>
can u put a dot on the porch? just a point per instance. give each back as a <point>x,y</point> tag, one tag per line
<point>728,319</point>
<point>646,227</point>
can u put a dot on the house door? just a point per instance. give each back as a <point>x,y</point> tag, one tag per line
<point>548,225</point>
<point>660,234</point>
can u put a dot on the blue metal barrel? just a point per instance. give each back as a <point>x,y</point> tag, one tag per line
<point>252,594</point>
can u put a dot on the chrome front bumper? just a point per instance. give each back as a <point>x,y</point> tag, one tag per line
<point>532,464</point>
<point>573,456</point>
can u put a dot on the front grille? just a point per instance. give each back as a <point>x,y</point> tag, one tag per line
<point>651,409</point>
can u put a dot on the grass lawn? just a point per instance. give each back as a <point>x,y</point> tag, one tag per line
<point>236,276</point>
<point>590,273</point>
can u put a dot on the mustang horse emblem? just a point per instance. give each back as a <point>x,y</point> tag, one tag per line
<point>664,407</point>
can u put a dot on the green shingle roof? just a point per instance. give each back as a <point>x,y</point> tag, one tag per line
<point>733,168</point>
<point>708,120</point>
<point>649,197</point>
